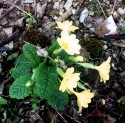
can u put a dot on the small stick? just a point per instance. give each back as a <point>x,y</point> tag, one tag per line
<point>23,11</point>
<point>113,6</point>
<point>9,10</point>
<point>102,9</point>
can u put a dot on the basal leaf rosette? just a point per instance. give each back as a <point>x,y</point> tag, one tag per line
<point>104,70</point>
<point>84,98</point>
<point>69,81</point>
<point>66,26</point>
<point>69,43</point>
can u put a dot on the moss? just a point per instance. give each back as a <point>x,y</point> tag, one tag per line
<point>93,46</point>
<point>35,37</point>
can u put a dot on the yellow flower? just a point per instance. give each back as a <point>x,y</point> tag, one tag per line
<point>69,43</point>
<point>104,70</point>
<point>66,26</point>
<point>84,98</point>
<point>69,81</point>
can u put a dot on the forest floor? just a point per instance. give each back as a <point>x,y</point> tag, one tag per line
<point>34,20</point>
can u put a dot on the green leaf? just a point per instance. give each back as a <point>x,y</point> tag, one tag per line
<point>23,14</point>
<point>22,60</point>
<point>54,46</point>
<point>30,53</point>
<point>87,65</point>
<point>13,56</point>
<point>31,21</point>
<point>18,89</point>
<point>82,86</point>
<point>60,71</point>
<point>3,101</point>
<point>46,79</point>
<point>21,71</point>
<point>121,29</point>
<point>58,100</point>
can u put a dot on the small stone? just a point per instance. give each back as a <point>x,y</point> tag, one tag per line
<point>116,15</point>
<point>68,4</point>
<point>74,11</point>
<point>55,17</point>
<point>83,15</point>
<point>75,4</point>
<point>61,5</point>
<point>8,31</point>
<point>4,22</point>
<point>121,11</point>
<point>56,5</point>
<point>61,11</point>
<point>89,25</point>
<point>108,2</point>
<point>105,47</point>
<point>91,13</point>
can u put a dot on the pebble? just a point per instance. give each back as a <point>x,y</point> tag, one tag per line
<point>8,31</point>
<point>121,11</point>
<point>56,5</point>
<point>4,22</point>
<point>83,15</point>
<point>91,13</point>
<point>68,4</point>
<point>116,15</point>
<point>105,47</point>
<point>61,5</point>
<point>61,11</point>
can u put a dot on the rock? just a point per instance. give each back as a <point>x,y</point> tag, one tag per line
<point>83,15</point>
<point>1,11</point>
<point>55,17</point>
<point>91,13</point>
<point>19,22</point>
<point>121,11</point>
<point>56,5</point>
<point>111,25</point>
<point>116,15</point>
<point>61,11</point>
<point>8,31</point>
<point>75,4</point>
<point>68,4</point>
<point>28,1</point>
<point>41,9</point>
<point>3,22</point>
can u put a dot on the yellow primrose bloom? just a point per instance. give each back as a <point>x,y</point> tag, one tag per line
<point>104,70</point>
<point>66,26</point>
<point>84,98</point>
<point>69,81</point>
<point>69,43</point>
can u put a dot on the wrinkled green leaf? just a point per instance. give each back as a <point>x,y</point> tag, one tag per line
<point>18,89</point>
<point>30,53</point>
<point>13,56</point>
<point>59,100</point>
<point>46,79</point>
<point>21,71</point>
<point>54,46</point>
<point>3,101</point>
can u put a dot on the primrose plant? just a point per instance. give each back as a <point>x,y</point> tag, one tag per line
<point>53,77</point>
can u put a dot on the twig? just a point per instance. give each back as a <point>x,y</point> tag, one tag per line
<point>22,11</point>
<point>35,7</point>
<point>114,6</point>
<point>9,39</point>
<point>62,117</point>
<point>102,9</point>
<point>10,9</point>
